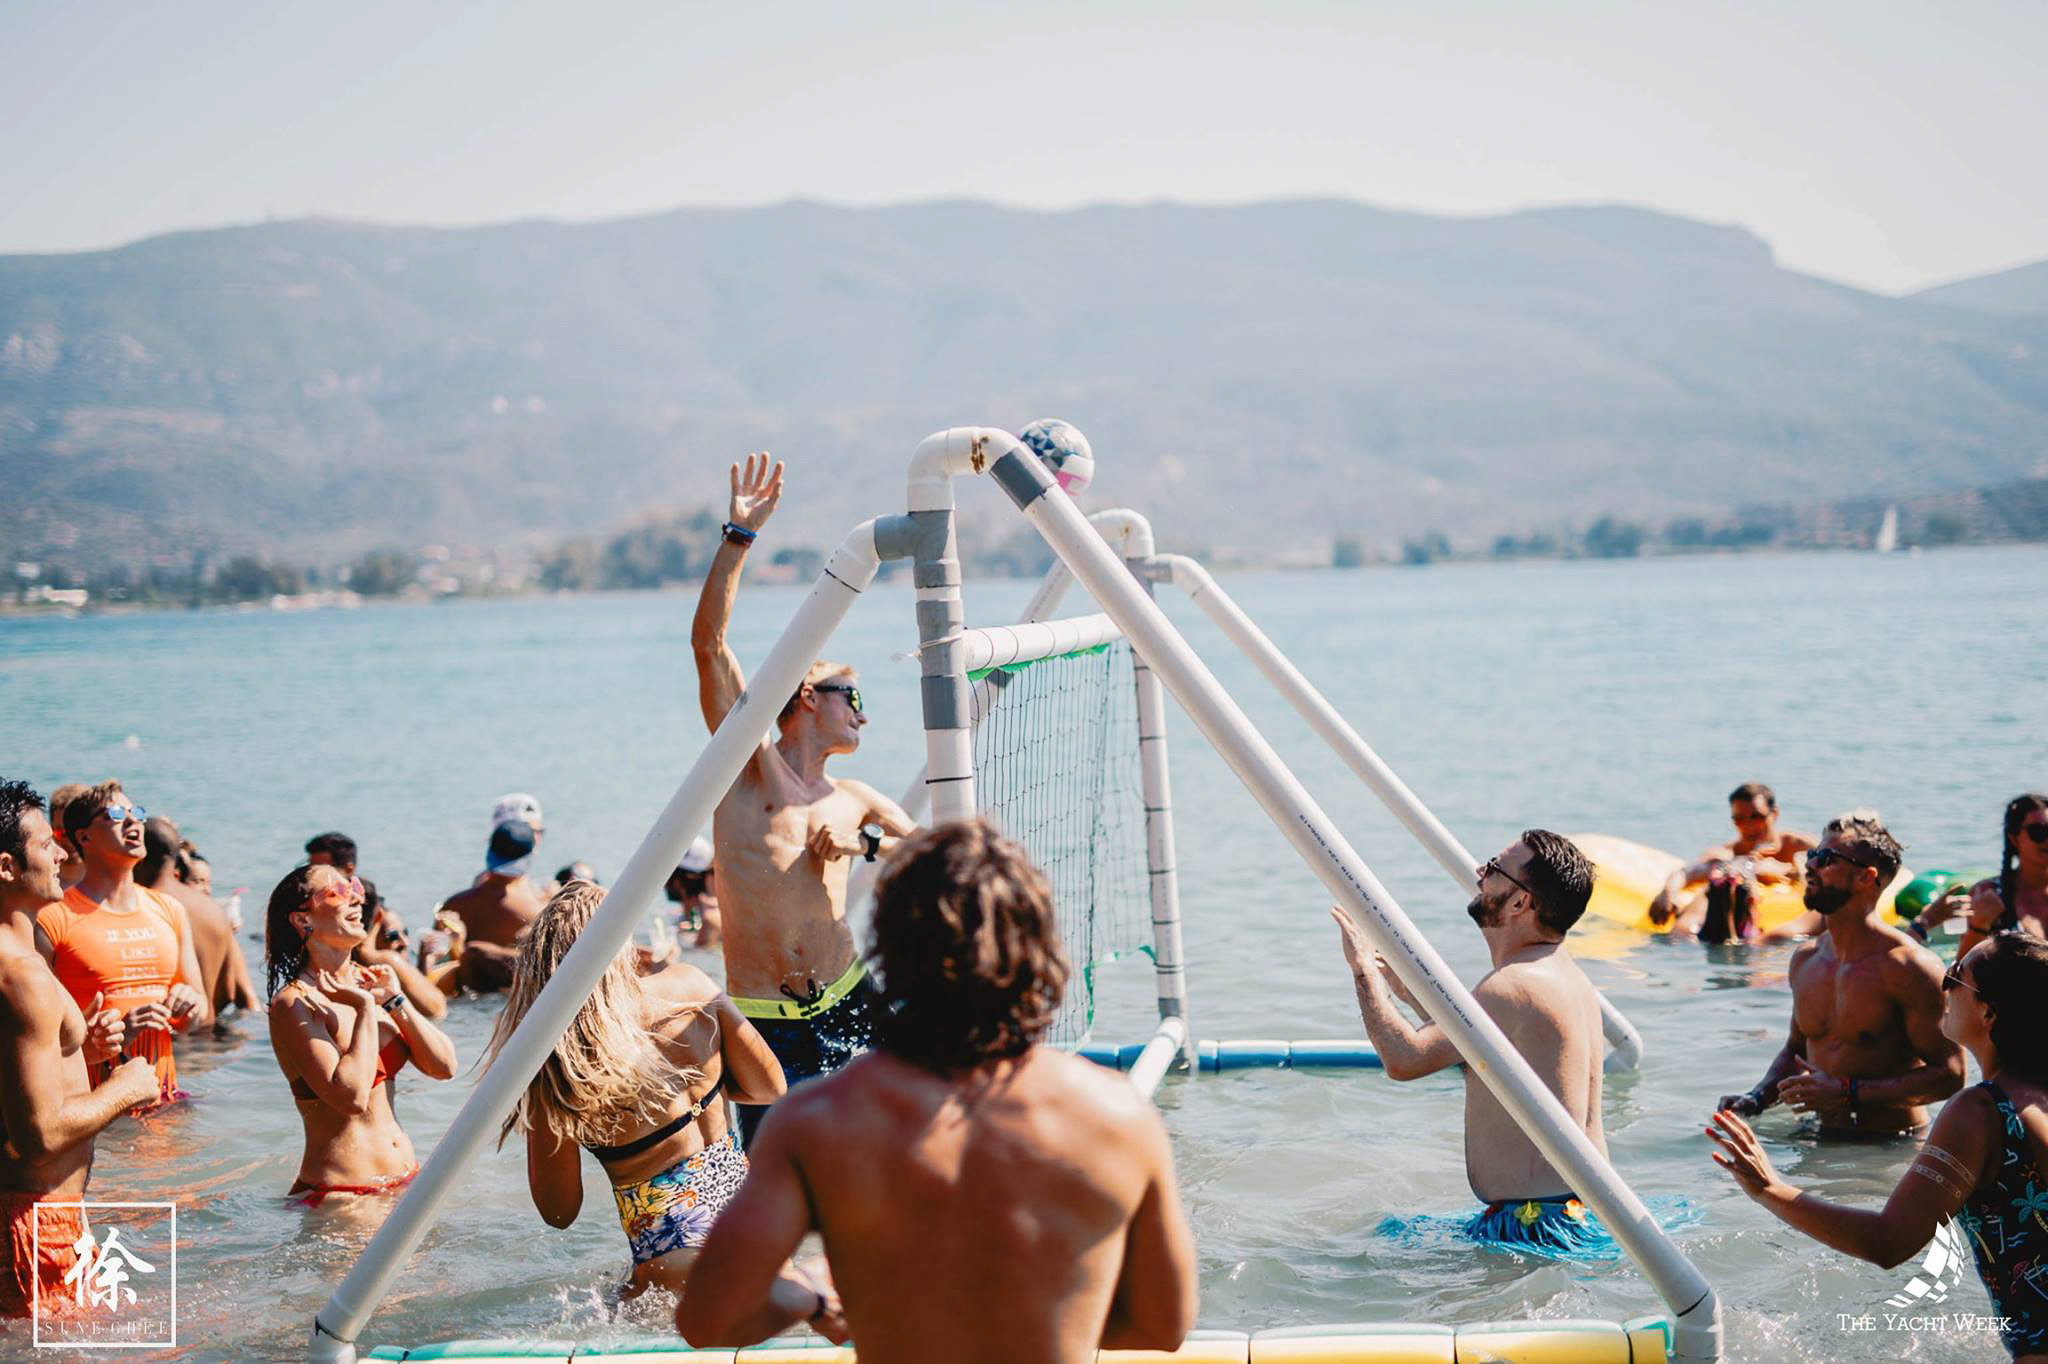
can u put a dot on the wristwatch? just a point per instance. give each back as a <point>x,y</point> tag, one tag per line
<point>870,840</point>
<point>395,1003</point>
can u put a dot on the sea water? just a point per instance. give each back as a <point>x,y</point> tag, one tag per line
<point>1622,697</point>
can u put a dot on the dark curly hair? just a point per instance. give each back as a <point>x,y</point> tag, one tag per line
<point>17,798</point>
<point>2011,976</point>
<point>967,949</point>
<point>284,947</point>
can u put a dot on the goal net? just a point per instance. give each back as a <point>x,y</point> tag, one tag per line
<point>1056,767</point>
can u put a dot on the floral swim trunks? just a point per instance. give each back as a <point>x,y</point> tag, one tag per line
<point>674,1210</point>
<point>1561,1226</point>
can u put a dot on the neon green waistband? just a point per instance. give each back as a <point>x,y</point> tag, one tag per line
<point>810,1008</point>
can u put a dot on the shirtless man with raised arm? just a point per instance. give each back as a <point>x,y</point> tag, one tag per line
<point>785,834</point>
<point>1529,897</point>
<point>1866,1051</point>
<point>49,1110</point>
<point>981,1196</point>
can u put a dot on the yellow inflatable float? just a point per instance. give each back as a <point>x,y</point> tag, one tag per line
<point>1629,876</point>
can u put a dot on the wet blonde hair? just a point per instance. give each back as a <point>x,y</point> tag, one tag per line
<point>607,1071</point>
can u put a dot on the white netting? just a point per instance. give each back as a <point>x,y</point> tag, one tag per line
<point>1056,766</point>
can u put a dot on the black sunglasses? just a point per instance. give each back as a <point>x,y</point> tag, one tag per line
<point>2037,832</point>
<point>1818,858</point>
<point>1954,978</point>
<point>847,689</point>
<point>1493,864</point>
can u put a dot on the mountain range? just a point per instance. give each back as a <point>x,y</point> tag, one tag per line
<point>1266,374</point>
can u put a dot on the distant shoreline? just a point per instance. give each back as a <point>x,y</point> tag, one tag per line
<point>286,604</point>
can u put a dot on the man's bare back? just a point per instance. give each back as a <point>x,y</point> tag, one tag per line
<point>495,911</point>
<point>1551,1013</point>
<point>981,1196</point>
<point>1006,1215</point>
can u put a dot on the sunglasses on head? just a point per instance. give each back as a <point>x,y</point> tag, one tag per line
<point>2037,832</point>
<point>847,689</point>
<point>121,814</point>
<point>1819,858</point>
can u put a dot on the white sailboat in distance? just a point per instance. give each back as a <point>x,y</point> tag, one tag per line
<point>1888,533</point>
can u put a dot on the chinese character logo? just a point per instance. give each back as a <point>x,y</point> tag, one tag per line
<point>107,1276</point>
<point>101,1275</point>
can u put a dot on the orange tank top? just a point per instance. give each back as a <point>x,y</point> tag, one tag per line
<point>131,958</point>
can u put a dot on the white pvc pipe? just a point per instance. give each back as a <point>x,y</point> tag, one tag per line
<point>1489,1055</point>
<point>1357,754</point>
<point>1000,646</point>
<point>1162,857</point>
<point>1150,1068</point>
<point>752,717</point>
<point>1045,599</point>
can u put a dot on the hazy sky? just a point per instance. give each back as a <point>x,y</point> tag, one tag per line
<point>1889,145</point>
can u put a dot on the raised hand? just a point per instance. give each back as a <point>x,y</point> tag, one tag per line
<point>1358,951</point>
<point>755,491</point>
<point>1742,1155</point>
<point>1951,902</point>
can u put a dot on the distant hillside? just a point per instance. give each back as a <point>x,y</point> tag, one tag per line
<point>2021,290</point>
<point>1278,370</point>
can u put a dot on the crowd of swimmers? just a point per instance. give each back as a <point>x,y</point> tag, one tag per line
<point>897,1098</point>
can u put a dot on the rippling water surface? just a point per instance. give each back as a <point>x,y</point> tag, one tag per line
<point>1620,697</point>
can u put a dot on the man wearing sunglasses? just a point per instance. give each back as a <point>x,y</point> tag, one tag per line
<point>1866,1052</point>
<point>785,836</point>
<point>111,938</point>
<point>1760,854</point>
<point>1529,897</point>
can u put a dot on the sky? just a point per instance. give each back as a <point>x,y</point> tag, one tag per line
<point>1886,145</point>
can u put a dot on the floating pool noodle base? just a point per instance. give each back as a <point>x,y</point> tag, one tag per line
<point>1645,1340</point>
<point>1693,1330</point>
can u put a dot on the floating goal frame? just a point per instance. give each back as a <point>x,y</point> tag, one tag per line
<point>925,535</point>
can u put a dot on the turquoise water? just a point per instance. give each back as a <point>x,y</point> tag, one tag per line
<point>1621,697</point>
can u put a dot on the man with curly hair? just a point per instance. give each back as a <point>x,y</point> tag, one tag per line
<point>1026,1195</point>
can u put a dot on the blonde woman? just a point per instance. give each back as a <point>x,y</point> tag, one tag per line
<point>639,1080</point>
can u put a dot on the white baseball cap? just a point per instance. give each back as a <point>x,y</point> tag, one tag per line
<point>697,858</point>
<point>517,805</point>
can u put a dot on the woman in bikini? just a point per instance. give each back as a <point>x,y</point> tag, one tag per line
<point>640,1080</point>
<point>340,1031</point>
<point>1985,1163</point>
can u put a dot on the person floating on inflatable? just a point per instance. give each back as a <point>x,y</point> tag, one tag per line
<point>1714,899</point>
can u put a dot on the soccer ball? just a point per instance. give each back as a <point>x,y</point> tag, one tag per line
<point>1063,450</point>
